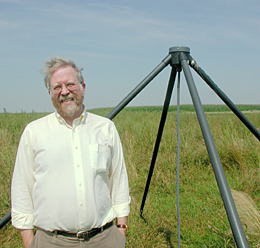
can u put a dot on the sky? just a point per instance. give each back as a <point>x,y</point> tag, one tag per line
<point>118,43</point>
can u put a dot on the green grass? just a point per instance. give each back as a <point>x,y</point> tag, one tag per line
<point>188,108</point>
<point>203,218</point>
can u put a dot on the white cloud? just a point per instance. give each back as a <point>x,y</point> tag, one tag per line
<point>8,26</point>
<point>121,26</point>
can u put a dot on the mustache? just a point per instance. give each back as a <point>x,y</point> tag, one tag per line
<point>66,98</point>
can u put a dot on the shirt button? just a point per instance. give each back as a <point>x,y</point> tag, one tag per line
<point>76,147</point>
<point>80,184</point>
<point>78,165</point>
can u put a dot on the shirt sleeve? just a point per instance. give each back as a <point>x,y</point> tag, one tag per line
<point>22,184</point>
<point>118,178</point>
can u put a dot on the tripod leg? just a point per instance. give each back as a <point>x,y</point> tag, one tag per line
<point>5,219</point>
<point>225,99</point>
<point>139,87</point>
<point>229,204</point>
<point>159,134</point>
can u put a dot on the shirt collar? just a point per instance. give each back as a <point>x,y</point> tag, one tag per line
<point>76,122</point>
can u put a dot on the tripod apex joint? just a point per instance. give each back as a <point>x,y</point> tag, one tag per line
<point>175,51</point>
<point>177,54</point>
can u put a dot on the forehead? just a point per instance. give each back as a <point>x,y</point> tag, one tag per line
<point>63,75</point>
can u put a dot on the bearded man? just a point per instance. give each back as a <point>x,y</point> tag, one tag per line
<point>70,180</point>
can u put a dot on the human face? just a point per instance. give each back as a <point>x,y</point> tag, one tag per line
<point>68,103</point>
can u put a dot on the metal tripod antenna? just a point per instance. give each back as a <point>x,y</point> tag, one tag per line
<point>179,58</point>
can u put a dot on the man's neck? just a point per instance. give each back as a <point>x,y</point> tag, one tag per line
<point>69,120</point>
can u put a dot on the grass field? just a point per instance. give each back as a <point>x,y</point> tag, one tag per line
<point>203,218</point>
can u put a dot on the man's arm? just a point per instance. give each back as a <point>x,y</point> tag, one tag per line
<point>122,221</point>
<point>27,236</point>
<point>119,181</point>
<point>22,187</point>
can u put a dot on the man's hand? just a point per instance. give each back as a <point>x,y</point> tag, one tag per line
<point>123,231</point>
<point>27,237</point>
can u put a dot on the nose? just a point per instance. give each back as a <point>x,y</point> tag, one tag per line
<point>64,90</point>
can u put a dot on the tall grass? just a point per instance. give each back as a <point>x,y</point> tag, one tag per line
<point>203,218</point>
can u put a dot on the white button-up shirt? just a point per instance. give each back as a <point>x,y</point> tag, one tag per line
<point>69,178</point>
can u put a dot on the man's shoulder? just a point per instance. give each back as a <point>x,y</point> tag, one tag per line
<point>43,120</point>
<point>97,118</point>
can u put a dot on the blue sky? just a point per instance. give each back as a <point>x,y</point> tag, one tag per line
<point>118,43</point>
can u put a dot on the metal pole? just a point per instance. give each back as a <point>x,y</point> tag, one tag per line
<point>231,211</point>
<point>178,162</point>
<point>159,134</point>
<point>224,98</point>
<point>139,87</point>
<point>5,219</point>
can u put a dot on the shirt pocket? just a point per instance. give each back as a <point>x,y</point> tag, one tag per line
<point>100,157</point>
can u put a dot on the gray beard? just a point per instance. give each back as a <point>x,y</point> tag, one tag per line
<point>69,111</point>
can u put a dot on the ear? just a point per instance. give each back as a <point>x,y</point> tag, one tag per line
<point>83,86</point>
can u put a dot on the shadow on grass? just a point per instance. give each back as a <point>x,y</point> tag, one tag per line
<point>167,234</point>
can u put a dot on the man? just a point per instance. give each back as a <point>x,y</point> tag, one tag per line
<point>70,180</point>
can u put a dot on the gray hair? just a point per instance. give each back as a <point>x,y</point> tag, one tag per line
<point>57,62</point>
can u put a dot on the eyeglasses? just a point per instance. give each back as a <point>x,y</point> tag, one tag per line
<point>71,86</point>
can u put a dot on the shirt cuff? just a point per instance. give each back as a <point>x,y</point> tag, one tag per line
<point>21,220</point>
<point>122,210</point>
